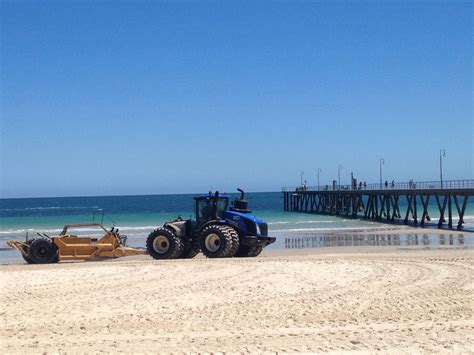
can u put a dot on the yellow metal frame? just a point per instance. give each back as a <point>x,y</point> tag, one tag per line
<point>72,247</point>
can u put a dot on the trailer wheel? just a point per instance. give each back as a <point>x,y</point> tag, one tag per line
<point>163,243</point>
<point>42,251</point>
<point>249,251</point>
<point>218,241</point>
<point>26,250</point>
<point>27,259</point>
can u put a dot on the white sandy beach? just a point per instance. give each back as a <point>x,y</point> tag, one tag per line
<point>366,300</point>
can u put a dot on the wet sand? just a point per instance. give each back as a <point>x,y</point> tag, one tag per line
<point>311,300</point>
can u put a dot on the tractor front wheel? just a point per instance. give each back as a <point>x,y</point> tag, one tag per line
<point>163,243</point>
<point>42,251</point>
<point>218,241</point>
<point>249,251</point>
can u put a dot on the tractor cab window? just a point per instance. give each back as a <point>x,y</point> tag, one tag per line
<point>204,208</point>
<point>222,205</point>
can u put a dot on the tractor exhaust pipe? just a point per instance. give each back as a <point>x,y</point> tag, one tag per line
<point>242,193</point>
<point>240,204</point>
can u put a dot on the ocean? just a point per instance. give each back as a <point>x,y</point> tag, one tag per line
<point>137,216</point>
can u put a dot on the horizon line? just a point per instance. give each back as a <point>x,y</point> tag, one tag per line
<point>126,195</point>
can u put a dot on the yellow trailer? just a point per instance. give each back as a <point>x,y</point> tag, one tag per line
<point>45,249</point>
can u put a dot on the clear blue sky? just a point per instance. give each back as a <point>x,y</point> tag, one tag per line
<point>149,97</point>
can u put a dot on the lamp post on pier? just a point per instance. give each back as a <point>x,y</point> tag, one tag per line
<point>382,162</point>
<point>339,168</point>
<point>319,170</point>
<point>442,154</point>
<point>302,173</point>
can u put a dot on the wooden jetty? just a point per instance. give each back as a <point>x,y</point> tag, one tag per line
<point>407,202</point>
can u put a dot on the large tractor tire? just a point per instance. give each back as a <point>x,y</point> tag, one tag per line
<point>42,251</point>
<point>163,243</point>
<point>190,252</point>
<point>218,241</point>
<point>25,257</point>
<point>249,251</point>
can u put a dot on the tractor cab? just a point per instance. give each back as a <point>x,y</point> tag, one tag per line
<point>211,207</point>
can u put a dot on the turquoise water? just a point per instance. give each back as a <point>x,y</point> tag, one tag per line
<point>137,216</point>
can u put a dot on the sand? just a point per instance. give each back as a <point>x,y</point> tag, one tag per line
<point>364,300</point>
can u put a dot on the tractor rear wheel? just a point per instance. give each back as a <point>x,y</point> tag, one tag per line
<point>218,241</point>
<point>163,243</point>
<point>191,249</point>
<point>249,251</point>
<point>42,251</point>
<point>190,253</point>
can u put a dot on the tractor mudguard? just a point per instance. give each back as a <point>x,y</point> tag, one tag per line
<point>220,222</point>
<point>183,228</point>
<point>175,228</point>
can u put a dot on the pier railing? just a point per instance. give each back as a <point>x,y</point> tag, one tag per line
<point>410,185</point>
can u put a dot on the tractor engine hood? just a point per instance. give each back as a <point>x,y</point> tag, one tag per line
<point>246,223</point>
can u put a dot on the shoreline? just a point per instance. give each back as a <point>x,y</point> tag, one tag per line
<point>266,254</point>
<point>322,241</point>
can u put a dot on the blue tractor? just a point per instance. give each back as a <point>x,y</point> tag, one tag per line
<point>219,231</point>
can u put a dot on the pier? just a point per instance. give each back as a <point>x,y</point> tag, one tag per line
<point>401,202</point>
